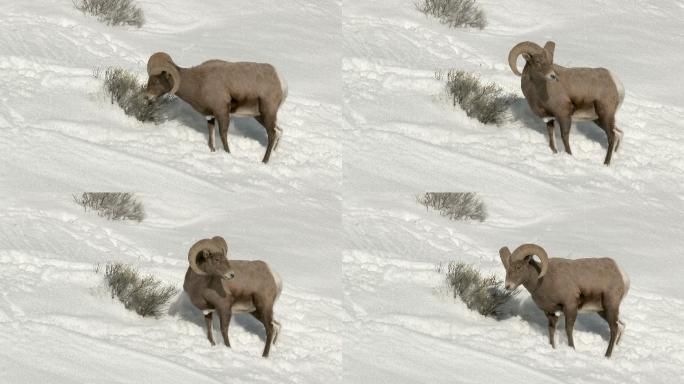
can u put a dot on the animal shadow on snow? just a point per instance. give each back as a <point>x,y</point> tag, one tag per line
<point>184,309</point>
<point>528,311</point>
<point>181,111</point>
<point>521,112</point>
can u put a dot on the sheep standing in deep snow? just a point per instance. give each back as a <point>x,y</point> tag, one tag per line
<point>218,89</point>
<point>214,283</point>
<point>570,286</point>
<point>554,92</point>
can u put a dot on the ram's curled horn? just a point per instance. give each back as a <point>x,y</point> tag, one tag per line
<point>550,47</point>
<point>204,244</point>
<point>505,255</point>
<point>532,249</point>
<point>519,49</point>
<point>221,243</point>
<point>160,62</point>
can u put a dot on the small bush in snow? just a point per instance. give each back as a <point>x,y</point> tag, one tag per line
<point>485,102</point>
<point>454,13</point>
<point>112,205</point>
<point>144,294</point>
<point>485,294</point>
<point>112,12</point>
<point>123,88</point>
<point>455,205</point>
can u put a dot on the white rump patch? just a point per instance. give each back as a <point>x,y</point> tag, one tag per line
<point>207,311</point>
<point>278,281</point>
<point>547,119</point>
<point>620,88</point>
<point>283,86</point>
<point>625,279</point>
<point>209,117</point>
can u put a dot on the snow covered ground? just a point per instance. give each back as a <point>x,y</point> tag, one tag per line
<point>405,139</point>
<point>60,135</point>
<point>334,212</point>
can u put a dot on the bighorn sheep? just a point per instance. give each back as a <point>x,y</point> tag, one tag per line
<point>218,89</point>
<point>213,283</point>
<point>585,285</point>
<point>556,92</point>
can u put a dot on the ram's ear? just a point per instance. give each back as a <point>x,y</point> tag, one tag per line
<point>202,256</point>
<point>505,255</point>
<point>550,47</point>
<point>526,56</point>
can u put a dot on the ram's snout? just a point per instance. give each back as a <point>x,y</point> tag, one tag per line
<point>511,286</point>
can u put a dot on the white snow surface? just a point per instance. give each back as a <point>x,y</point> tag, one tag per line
<point>59,135</point>
<point>366,128</point>
<point>404,138</point>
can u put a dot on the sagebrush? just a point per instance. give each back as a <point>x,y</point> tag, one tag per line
<point>113,12</point>
<point>455,205</point>
<point>484,294</point>
<point>123,87</point>
<point>146,295</point>
<point>454,13</point>
<point>487,102</point>
<point>112,205</point>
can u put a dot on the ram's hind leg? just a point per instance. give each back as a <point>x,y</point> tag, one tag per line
<point>610,132</point>
<point>212,132</point>
<point>613,324</point>
<point>224,124</point>
<point>565,124</point>
<point>276,331</point>
<point>272,327</point>
<point>621,327</point>
<point>279,134</point>
<point>621,330</point>
<point>618,138</point>
<point>570,317</point>
<point>268,120</point>
<point>606,121</point>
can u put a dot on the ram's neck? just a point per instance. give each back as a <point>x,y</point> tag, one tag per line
<point>186,90</point>
<point>532,282</point>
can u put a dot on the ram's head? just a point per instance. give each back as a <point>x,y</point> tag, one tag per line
<point>164,76</point>
<point>540,60</point>
<point>210,257</point>
<point>520,265</point>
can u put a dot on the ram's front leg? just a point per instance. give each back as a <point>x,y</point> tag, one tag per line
<point>225,322</point>
<point>212,132</point>
<point>553,319</point>
<point>565,124</point>
<point>552,135</point>
<point>207,319</point>
<point>570,313</point>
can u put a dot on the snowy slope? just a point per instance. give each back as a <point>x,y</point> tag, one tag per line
<point>399,131</point>
<point>400,311</point>
<point>405,139</point>
<point>334,211</point>
<point>60,135</point>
